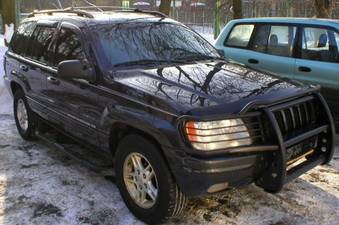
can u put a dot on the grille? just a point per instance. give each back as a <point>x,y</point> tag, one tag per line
<point>255,128</point>
<point>297,117</point>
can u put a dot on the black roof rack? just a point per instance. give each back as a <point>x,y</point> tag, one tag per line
<point>84,11</point>
<point>67,10</point>
<point>154,13</point>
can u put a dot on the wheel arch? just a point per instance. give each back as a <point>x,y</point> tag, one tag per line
<point>15,87</point>
<point>120,130</point>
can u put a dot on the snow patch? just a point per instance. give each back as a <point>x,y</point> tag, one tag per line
<point>5,98</point>
<point>205,32</point>
<point>9,31</point>
<point>40,184</point>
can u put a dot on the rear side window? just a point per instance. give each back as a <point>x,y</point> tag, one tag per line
<point>39,45</point>
<point>68,47</point>
<point>319,44</point>
<point>281,40</point>
<point>260,39</point>
<point>274,40</point>
<point>240,36</point>
<point>21,38</point>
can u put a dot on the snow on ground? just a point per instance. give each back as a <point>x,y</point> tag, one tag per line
<point>42,185</point>
<point>5,99</point>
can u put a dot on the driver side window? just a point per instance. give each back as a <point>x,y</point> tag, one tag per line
<point>68,47</point>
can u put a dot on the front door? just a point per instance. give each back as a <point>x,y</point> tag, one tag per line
<point>72,102</point>
<point>319,63</point>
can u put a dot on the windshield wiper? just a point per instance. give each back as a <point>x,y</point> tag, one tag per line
<point>192,56</point>
<point>147,62</point>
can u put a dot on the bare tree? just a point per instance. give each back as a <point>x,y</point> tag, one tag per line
<point>217,22</point>
<point>289,5</point>
<point>237,9</point>
<point>324,8</point>
<point>59,4</point>
<point>8,12</point>
<point>165,6</point>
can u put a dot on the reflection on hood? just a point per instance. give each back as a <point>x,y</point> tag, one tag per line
<point>204,84</point>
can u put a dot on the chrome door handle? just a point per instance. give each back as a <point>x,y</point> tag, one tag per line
<point>13,72</point>
<point>53,80</point>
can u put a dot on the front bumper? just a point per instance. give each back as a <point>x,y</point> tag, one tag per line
<point>269,168</point>
<point>195,176</point>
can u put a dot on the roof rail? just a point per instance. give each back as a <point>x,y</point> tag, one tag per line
<point>103,8</point>
<point>120,9</point>
<point>66,10</point>
<point>84,11</point>
<point>154,13</point>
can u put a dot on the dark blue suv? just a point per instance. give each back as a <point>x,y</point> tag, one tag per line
<point>176,118</point>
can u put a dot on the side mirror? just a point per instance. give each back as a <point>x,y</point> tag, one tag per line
<point>74,69</point>
<point>221,53</point>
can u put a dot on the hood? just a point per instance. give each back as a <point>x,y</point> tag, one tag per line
<point>205,86</point>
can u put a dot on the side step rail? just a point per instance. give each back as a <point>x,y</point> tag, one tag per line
<point>105,165</point>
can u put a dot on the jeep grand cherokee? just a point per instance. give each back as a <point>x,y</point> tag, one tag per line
<point>177,119</point>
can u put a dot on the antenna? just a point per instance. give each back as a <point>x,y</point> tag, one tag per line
<point>91,4</point>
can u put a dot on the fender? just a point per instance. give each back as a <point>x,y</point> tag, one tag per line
<point>144,120</point>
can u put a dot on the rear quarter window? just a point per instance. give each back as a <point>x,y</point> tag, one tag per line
<point>19,42</point>
<point>240,36</point>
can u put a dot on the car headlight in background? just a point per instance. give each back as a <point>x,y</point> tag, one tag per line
<point>214,135</point>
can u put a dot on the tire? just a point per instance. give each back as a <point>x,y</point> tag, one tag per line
<point>170,201</point>
<point>27,132</point>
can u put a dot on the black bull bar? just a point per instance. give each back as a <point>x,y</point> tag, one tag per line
<point>277,174</point>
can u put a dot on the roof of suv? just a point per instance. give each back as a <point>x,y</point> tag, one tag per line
<point>90,17</point>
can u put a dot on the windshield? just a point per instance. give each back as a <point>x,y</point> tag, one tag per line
<point>153,42</point>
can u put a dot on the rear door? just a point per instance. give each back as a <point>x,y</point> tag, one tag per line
<point>37,62</point>
<point>273,45</point>
<point>318,62</point>
<point>15,55</point>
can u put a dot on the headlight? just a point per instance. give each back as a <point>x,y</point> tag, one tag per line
<point>214,135</point>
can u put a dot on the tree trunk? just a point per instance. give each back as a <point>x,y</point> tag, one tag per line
<point>165,6</point>
<point>8,12</point>
<point>216,27</point>
<point>237,9</point>
<point>324,8</point>
<point>289,4</point>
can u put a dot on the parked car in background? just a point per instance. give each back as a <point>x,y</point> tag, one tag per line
<point>303,49</point>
